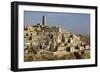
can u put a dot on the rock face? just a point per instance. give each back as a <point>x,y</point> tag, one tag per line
<point>42,43</point>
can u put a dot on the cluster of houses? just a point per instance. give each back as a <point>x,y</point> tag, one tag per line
<point>42,43</point>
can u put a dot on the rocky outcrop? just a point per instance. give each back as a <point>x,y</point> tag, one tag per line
<point>42,44</point>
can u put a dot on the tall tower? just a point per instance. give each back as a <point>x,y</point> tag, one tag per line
<point>44,22</point>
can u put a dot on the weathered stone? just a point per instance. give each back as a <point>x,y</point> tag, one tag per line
<point>42,42</point>
<point>60,54</point>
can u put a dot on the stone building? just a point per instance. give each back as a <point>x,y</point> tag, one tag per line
<point>51,43</point>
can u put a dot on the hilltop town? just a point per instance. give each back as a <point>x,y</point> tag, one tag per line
<point>44,43</point>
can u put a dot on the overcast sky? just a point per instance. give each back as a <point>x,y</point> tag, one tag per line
<point>77,23</point>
